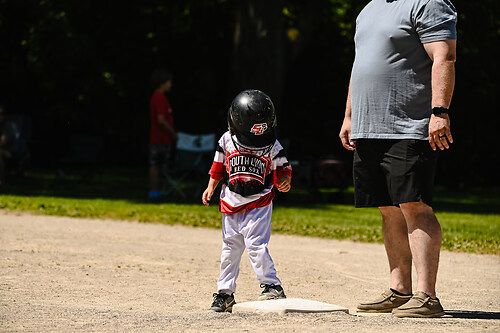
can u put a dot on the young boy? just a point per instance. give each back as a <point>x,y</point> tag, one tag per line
<point>250,161</point>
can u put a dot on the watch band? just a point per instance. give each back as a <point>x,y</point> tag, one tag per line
<point>439,110</point>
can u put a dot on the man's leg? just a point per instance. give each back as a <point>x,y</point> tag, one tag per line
<point>425,242</point>
<point>154,171</point>
<point>397,247</point>
<point>399,255</point>
<point>154,178</point>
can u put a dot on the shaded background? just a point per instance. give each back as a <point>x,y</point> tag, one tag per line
<point>80,70</point>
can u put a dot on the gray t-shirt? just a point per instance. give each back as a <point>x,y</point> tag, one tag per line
<point>391,75</point>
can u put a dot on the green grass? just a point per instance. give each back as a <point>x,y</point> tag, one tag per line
<point>470,219</point>
<point>172,213</point>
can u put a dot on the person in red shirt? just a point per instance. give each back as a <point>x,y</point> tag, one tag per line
<point>162,133</point>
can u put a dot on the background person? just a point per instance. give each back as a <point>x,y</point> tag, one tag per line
<point>7,137</point>
<point>162,132</point>
<point>396,117</point>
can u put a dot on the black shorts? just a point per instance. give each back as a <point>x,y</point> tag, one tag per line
<point>392,172</point>
<point>159,155</point>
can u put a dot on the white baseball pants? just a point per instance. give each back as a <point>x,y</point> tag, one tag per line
<point>250,229</point>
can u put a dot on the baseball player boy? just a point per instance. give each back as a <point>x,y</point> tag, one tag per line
<point>249,161</point>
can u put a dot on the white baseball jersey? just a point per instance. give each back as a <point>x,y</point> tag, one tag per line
<point>249,178</point>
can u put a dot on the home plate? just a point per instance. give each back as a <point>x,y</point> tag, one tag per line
<point>287,305</point>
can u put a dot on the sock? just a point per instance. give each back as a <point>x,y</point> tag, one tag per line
<point>400,294</point>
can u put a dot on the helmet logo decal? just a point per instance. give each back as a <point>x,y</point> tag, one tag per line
<point>259,129</point>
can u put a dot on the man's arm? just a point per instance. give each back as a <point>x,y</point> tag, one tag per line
<point>165,125</point>
<point>345,131</point>
<point>443,54</point>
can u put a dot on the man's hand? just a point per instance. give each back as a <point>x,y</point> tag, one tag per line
<point>284,183</point>
<point>174,135</point>
<point>167,128</point>
<point>345,131</point>
<point>345,135</point>
<point>439,132</point>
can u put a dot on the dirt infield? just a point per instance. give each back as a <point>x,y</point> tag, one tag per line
<point>80,275</point>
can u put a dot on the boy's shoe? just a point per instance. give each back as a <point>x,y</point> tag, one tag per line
<point>385,303</point>
<point>421,305</point>
<point>222,303</point>
<point>271,291</point>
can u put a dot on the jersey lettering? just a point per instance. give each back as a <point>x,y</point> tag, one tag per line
<point>247,174</point>
<point>247,166</point>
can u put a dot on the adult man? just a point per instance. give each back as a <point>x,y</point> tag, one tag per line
<point>162,133</point>
<point>396,117</point>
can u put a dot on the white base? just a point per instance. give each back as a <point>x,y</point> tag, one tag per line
<point>287,305</point>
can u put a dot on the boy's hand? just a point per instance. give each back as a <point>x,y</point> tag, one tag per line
<point>207,195</point>
<point>284,183</point>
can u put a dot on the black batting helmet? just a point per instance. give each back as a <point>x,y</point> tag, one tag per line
<point>252,119</point>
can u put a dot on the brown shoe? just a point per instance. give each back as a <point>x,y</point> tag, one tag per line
<point>385,303</point>
<point>421,305</point>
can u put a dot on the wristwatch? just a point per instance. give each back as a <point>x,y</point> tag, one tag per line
<point>439,110</point>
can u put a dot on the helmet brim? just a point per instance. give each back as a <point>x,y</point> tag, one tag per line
<point>258,141</point>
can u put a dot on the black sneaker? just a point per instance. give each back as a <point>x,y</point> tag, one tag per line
<point>271,291</point>
<point>222,303</point>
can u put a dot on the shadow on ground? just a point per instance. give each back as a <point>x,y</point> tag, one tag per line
<point>461,314</point>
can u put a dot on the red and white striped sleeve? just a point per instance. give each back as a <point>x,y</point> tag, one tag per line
<point>217,170</point>
<point>281,167</point>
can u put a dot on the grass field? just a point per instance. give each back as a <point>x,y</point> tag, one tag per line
<point>470,219</point>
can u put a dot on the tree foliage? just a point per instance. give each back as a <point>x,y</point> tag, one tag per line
<point>81,68</point>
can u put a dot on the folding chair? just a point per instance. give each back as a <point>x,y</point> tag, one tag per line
<point>190,159</point>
